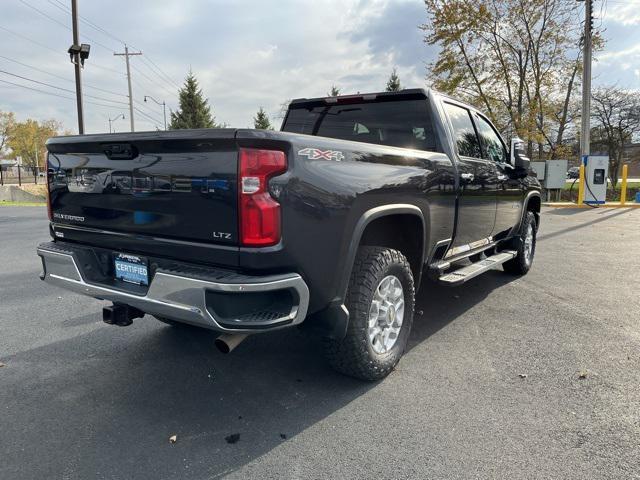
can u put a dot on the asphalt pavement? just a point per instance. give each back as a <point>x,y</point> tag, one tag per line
<point>506,377</point>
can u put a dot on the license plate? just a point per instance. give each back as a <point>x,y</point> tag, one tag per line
<point>131,269</point>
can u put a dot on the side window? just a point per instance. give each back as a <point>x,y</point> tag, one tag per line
<point>492,146</point>
<point>465,134</point>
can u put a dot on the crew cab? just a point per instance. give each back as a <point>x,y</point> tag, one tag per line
<point>331,223</point>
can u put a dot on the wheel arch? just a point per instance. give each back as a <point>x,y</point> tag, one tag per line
<point>378,227</point>
<point>534,205</point>
<point>532,202</point>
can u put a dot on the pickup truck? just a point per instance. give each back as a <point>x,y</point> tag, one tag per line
<point>333,221</point>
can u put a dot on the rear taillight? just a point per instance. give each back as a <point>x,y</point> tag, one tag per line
<point>48,177</point>
<point>259,213</point>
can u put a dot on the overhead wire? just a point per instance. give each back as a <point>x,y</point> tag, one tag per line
<point>150,79</point>
<point>60,88</point>
<point>66,79</point>
<point>155,122</point>
<point>151,65</point>
<point>159,79</point>
<point>19,35</point>
<point>56,94</point>
<point>49,17</point>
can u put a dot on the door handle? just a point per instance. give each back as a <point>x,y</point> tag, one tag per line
<point>467,177</point>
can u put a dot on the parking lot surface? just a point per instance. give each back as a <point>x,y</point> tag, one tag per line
<point>505,377</point>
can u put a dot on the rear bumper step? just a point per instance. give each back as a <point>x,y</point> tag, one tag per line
<point>220,301</point>
<point>465,274</point>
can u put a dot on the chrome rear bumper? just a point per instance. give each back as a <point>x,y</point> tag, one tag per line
<point>191,298</point>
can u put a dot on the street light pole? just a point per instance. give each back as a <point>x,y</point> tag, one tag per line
<point>111,120</point>
<point>164,108</point>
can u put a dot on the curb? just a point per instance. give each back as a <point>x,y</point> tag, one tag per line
<point>574,205</point>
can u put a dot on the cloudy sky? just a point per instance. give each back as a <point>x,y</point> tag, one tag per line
<point>245,53</point>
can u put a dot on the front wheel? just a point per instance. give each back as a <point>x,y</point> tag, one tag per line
<point>525,245</point>
<point>380,300</point>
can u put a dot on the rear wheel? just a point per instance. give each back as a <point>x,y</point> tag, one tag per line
<point>380,300</point>
<point>525,245</point>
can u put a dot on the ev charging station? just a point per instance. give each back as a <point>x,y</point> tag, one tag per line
<point>596,172</point>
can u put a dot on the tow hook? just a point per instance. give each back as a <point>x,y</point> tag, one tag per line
<point>120,314</point>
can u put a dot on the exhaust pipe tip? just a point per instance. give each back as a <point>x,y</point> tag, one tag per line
<point>227,342</point>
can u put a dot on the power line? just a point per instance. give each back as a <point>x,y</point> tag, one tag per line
<point>155,122</point>
<point>44,14</point>
<point>34,68</point>
<point>158,71</point>
<point>49,17</point>
<point>142,105</point>
<point>163,73</point>
<point>29,40</point>
<point>37,90</point>
<point>96,27</point>
<point>55,94</point>
<point>57,52</point>
<point>59,88</point>
<point>61,77</point>
<point>151,80</point>
<point>148,62</point>
<point>107,69</point>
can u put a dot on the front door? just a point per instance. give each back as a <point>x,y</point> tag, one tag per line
<point>509,191</point>
<point>478,181</point>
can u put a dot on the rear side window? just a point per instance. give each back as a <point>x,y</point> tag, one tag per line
<point>464,133</point>
<point>492,146</point>
<point>400,123</point>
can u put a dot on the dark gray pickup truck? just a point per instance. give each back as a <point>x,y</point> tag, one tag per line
<point>330,224</point>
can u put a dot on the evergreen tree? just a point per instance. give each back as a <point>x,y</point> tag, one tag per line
<point>334,92</point>
<point>261,121</point>
<point>393,84</point>
<point>194,110</point>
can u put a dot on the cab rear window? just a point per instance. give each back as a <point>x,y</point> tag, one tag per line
<point>403,123</point>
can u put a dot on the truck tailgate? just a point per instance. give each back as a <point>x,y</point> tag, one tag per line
<point>159,185</point>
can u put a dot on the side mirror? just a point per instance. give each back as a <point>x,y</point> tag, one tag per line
<point>519,158</point>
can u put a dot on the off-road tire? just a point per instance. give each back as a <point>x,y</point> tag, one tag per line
<point>520,265</point>
<point>354,355</point>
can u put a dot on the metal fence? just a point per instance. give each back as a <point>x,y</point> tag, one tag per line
<point>21,175</point>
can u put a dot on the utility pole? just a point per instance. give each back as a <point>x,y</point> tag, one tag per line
<point>585,148</point>
<point>126,56</point>
<point>78,65</point>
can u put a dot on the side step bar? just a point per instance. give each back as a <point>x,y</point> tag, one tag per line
<point>464,274</point>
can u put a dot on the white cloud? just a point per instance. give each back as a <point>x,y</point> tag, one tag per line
<point>245,53</point>
<point>627,53</point>
<point>625,14</point>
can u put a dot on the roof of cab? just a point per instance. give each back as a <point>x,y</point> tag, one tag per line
<point>409,92</point>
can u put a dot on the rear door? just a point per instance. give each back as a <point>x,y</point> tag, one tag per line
<point>478,180</point>
<point>509,191</point>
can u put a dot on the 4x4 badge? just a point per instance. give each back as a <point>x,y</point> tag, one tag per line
<point>317,154</point>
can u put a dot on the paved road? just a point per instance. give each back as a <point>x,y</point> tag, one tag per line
<point>79,399</point>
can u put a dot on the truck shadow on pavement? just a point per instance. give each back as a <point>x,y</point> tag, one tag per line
<point>108,401</point>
